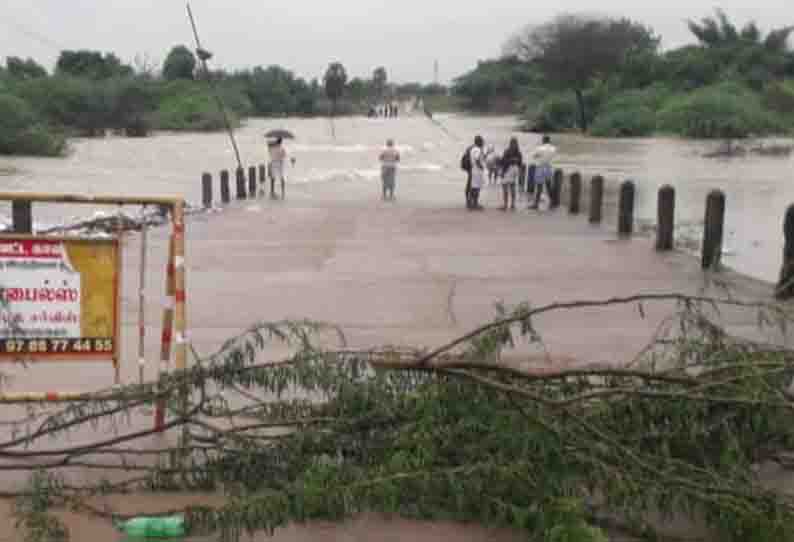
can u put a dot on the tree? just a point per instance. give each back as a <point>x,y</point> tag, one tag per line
<point>574,50</point>
<point>359,90</point>
<point>271,90</point>
<point>494,81</point>
<point>335,80</point>
<point>179,64</point>
<point>719,31</point>
<point>379,81</point>
<point>134,103</point>
<point>21,131</point>
<point>334,432</point>
<point>758,58</point>
<point>24,69</point>
<point>92,65</point>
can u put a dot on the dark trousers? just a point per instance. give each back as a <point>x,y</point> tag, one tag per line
<point>468,191</point>
<point>539,191</point>
<point>474,198</point>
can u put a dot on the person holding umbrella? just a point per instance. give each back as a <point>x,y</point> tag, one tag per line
<point>277,158</point>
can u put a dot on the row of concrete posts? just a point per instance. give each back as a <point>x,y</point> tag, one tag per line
<point>713,228</point>
<point>246,188</point>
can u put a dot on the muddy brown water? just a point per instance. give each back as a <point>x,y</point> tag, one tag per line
<point>345,169</point>
<point>758,189</point>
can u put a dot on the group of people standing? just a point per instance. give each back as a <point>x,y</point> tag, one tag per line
<point>388,110</point>
<point>480,164</point>
<point>506,169</point>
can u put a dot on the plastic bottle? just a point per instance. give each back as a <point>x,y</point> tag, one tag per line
<point>160,527</point>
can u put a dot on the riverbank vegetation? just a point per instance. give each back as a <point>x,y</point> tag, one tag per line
<point>90,94</point>
<point>608,77</point>
<point>456,433</point>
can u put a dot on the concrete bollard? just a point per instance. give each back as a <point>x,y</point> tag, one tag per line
<point>556,189</point>
<point>665,219</point>
<point>206,190</point>
<point>240,183</point>
<point>714,226</point>
<point>22,216</point>
<point>596,199</point>
<point>626,209</point>
<point>252,182</point>
<point>785,286</point>
<point>226,194</point>
<point>575,205</point>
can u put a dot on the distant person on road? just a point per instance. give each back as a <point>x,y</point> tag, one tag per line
<point>544,158</point>
<point>389,159</point>
<point>477,159</point>
<point>512,161</point>
<point>277,156</point>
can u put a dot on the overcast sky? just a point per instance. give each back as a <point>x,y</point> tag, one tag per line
<point>305,35</point>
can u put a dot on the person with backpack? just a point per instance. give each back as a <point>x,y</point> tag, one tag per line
<point>465,165</point>
<point>477,175</point>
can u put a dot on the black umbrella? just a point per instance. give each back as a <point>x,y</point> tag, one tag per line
<point>279,134</point>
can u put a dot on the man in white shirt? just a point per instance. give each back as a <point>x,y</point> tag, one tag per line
<point>389,159</point>
<point>544,157</point>
<point>477,158</point>
<point>277,158</point>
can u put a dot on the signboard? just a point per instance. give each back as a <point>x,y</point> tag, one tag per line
<point>59,299</point>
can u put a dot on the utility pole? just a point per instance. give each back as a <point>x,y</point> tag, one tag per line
<point>435,72</point>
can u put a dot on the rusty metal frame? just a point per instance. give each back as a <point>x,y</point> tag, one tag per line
<point>174,316</point>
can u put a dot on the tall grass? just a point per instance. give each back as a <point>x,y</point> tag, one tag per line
<point>725,110</point>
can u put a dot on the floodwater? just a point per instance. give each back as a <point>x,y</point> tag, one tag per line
<point>343,155</point>
<point>337,165</point>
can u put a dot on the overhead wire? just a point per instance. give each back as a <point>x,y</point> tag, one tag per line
<point>203,56</point>
<point>15,25</point>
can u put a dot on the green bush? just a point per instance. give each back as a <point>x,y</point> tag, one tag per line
<point>779,96</point>
<point>727,110</point>
<point>692,66</point>
<point>652,97</point>
<point>625,122</point>
<point>22,133</point>
<point>631,113</point>
<point>132,103</point>
<point>576,533</point>
<point>560,112</point>
<point>79,105</point>
<point>235,98</point>
<point>196,111</point>
<point>557,113</point>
